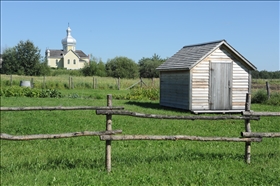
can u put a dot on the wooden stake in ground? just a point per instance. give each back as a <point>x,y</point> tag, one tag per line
<point>248,129</point>
<point>11,80</point>
<point>267,89</point>
<point>108,142</point>
<point>69,82</point>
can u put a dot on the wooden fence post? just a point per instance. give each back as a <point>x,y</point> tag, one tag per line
<point>267,89</point>
<point>69,82</point>
<point>44,82</point>
<point>11,79</point>
<point>119,83</point>
<point>72,84</point>
<point>248,129</point>
<point>32,83</point>
<point>94,83</point>
<point>108,142</point>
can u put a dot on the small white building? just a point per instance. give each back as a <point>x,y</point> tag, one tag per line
<point>209,77</point>
<point>68,57</point>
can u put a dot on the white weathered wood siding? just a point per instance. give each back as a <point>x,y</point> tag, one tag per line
<point>240,76</point>
<point>200,86</point>
<point>240,86</point>
<point>174,89</point>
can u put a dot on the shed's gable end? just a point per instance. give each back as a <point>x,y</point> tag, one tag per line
<point>189,56</point>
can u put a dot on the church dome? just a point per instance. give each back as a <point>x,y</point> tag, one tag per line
<point>68,40</point>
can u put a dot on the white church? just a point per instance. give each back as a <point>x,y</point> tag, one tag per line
<point>68,57</point>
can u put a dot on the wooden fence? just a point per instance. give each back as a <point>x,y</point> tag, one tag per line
<point>73,82</point>
<point>108,135</point>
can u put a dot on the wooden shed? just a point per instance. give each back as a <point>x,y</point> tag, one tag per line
<point>206,77</point>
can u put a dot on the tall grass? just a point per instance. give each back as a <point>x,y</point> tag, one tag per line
<point>80,161</point>
<point>80,82</point>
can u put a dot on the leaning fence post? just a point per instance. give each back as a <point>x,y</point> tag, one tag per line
<point>248,129</point>
<point>108,128</point>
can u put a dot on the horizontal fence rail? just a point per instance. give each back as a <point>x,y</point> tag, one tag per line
<point>248,113</point>
<point>261,134</point>
<point>59,108</point>
<point>177,137</point>
<point>142,115</point>
<point>56,136</point>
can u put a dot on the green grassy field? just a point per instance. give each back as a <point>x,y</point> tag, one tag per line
<point>81,160</point>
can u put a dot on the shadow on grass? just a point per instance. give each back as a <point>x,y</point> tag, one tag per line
<point>180,157</point>
<point>156,106</point>
<point>57,163</point>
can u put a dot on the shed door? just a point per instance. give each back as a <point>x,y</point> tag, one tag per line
<point>220,87</point>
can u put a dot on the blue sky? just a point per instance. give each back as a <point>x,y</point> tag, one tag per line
<point>137,29</point>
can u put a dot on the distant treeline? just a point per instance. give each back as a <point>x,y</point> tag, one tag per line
<point>263,74</point>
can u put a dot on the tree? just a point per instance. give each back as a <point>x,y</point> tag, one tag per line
<point>9,64</point>
<point>94,67</point>
<point>24,58</point>
<point>122,67</point>
<point>147,66</point>
<point>43,68</point>
<point>101,69</point>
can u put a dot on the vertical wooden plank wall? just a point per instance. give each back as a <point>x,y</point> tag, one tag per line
<point>174,88</point>
<point>200,86</point>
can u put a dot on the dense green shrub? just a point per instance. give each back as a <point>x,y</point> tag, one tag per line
<point>140,94</point>
<point>94,68</point>
<point>261,97</point>
<point>274,99</point>
<point>16,91</point>
<point>122,67</point>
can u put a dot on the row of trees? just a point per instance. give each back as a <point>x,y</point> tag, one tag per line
<point>124,67</point>
<point>263,74</point>
<point>25,59</point>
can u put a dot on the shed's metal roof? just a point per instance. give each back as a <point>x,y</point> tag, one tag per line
<point>190,55</point>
